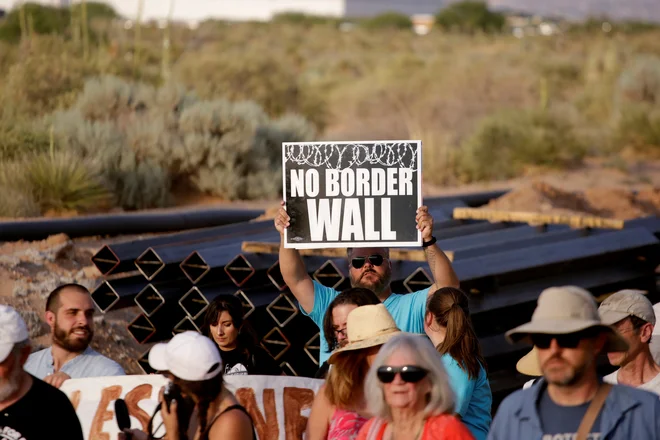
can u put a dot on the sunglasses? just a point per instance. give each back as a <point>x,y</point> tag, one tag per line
<point>570,340</point>
<point>375,260</point>
<point>409,373</point>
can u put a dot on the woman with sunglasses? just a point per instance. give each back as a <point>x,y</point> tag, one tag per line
<point>334,321</point>
<point>339,408</point>
<point>449,327</point>
<point>408,392</point>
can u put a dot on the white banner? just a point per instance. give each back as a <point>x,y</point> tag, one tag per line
<point>279,405</point>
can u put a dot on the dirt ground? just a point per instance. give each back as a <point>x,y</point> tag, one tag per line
<point>30,270</point>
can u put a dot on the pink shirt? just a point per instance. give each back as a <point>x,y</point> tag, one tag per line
<point>345,425</point>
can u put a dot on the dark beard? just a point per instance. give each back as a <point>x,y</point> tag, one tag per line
<point>61,338</point>
<point>377,287</point>
<point>13,383</point>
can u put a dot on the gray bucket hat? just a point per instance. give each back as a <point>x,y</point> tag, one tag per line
<point>564,310</point>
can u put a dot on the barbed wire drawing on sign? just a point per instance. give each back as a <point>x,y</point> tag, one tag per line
<point>338,156</point>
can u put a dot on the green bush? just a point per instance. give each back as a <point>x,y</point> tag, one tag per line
<point>17,202</point>
<point>18,138</point>
<point>504,144</point>
<point>639,128</point>
<point>56,182</point>
<point>388,20</point>
<point>43,20</point>
<point>95,10</point>
<point>265,78</point>
<point>470,17</point>
<point>147,141</point>
<point>298,18</point>
<point>640,83</point>
<point>49,78</point>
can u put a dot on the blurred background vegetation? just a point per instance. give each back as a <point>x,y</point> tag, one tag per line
<point>99,112</point>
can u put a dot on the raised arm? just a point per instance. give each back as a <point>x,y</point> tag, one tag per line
<point>441,268</point>
<point>292,266</point>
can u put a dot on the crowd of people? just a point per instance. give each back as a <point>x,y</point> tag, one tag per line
<point>394,366</point>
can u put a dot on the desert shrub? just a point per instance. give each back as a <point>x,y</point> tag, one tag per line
<point>298,18</point>
<point>146,142</point>
<point>262,77</point>
<point>95,10</point>
<point>388,20</point>
<point>470,17</point>
<point>56,182</point>
<point>19,138</point>
<point>49,78</point>
<point>640,83</point>
<point>638,128</point>
<point>505,143</point>
<point>17,202</point>
<point>44,20</point>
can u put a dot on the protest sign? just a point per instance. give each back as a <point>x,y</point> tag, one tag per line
<point>279,405</point>
<point>352,194</point>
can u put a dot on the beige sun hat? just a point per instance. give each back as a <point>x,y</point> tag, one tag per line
<point>529,364</point>
<point>564,310</point>
<point>367,326</point>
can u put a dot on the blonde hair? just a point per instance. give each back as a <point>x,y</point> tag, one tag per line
<point>346,378</point>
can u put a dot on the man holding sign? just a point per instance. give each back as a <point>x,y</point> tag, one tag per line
<point>349,187</point>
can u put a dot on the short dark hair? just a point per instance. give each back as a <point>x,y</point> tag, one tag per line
<point>53,301</point>
<point>350,250</point>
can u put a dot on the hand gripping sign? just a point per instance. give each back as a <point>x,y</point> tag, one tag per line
<point>352,194</point>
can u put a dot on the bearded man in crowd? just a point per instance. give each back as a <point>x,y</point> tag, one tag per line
<point>70,315</point>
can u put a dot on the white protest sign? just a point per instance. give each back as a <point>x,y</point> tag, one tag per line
<point>279,405</point>
<point>352,194</point>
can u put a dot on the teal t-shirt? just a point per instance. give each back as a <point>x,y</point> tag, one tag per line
<point>473,397</point>
<point>407,310</point>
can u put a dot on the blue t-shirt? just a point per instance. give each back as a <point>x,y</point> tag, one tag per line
<point>407,310</point>
<point>473,397</point>
<point>560,422</point>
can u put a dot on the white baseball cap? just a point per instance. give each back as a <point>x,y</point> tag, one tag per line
<point>188,356</point>
<point>12,330</point>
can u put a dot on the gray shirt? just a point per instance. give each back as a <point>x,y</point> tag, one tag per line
<point>89,363</point>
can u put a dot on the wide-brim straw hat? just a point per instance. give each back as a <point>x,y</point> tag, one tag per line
<point>367,326</point>
<point>529,364</point>
<point>564,310</point>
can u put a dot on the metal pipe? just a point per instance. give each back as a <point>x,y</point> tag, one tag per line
<point>124,223</point>
<point>143,363</point>
<point>117,293</point>
<point>185,325</point>
<point>164,260</point>
<point>197,299</point>
<point>154,296</point>
<point>418,280</point>
<point>141,329</point>
<point>121,257</point>
<point>472,199</point>
<point>545,259</point>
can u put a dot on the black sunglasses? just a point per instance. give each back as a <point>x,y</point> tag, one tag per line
<point>375,260</point>
<point>409,373</point>
<point>570,340</point>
